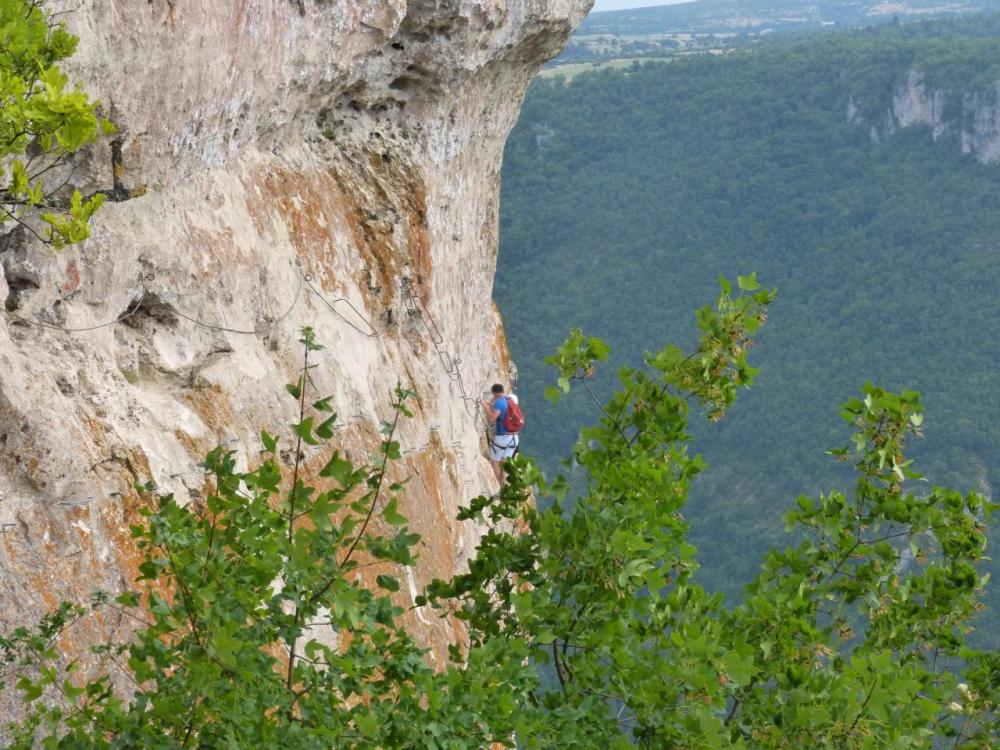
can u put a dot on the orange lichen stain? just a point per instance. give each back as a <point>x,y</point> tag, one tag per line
<point>92,438</point>
<point>22,458</point>
<point>126,553</point>
<point>400,186</point>
<point>418,238</point>
<point>212,405</point>
<point>310,208</point>
<point>500,340</point>
<point>170,14</point>
<point>72,282</point>
<point>380,202</point>
<point>219,246</point>
<point>421,501</point>
<point>373,238</point>
<point>195,446</point>
<point>310,204</point>
<point>74,567</point>
<point>236,28</point>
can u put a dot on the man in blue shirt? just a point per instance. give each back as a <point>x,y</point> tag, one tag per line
<point>502,444</point>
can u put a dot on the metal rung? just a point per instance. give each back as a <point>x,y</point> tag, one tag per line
<point>79,501</point>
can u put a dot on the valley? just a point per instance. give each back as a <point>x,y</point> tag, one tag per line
<point>626,193</point>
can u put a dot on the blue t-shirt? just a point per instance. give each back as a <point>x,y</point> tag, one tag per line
<point>501,406</point>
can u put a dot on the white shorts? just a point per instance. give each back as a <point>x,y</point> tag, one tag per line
<point>503,446</point>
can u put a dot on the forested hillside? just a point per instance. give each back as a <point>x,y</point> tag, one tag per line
<point>626,194</point>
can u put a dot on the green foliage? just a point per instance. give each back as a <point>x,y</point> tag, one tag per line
<point>257,628</point>
<point>586,628</point>
<point>625,193</point>
<point>898,566</point>
<point>42,122</point>
<point>842,641</point>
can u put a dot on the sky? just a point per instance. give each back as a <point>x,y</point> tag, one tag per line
<point>623,4</point>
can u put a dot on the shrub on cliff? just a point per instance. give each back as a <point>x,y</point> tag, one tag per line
<point>586,629</point>
<point>42,123</point>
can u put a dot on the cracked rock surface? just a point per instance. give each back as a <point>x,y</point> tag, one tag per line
<point>309,162</point>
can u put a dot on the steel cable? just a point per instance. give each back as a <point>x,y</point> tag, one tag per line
<point>127,314</point>
<point>454,372</point>
<point>328,303</point>
<point>425,317</point>
<point>256,331</point>
<point>171,308</point>
<point>451,365</point>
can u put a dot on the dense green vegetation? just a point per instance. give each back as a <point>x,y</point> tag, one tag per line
<point>258,623</point>
<point>42,122</point>
<point>625,194</point>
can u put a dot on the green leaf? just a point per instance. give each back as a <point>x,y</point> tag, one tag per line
<point>304,430</point>
<point>325,428</point>
<point>391,449</point>
<point>128,599</point>
<point>338,468</point>
<point>324,404</point>
<point>270,443</point>
<point>32,690</point>
<point>391,514</point>
<point>366,723</point>
<point>598,349</point>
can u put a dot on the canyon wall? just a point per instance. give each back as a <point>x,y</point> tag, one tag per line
<point>305,162</point>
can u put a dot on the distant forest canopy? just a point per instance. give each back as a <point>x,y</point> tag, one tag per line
<point>722,25</point>
<point>626,193</point>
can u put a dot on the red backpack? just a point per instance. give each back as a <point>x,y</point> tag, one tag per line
<point>513,420</point>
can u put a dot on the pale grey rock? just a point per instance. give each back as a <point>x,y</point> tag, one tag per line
<point>913,104</point>
<point>974,121</point>
<point>353,143</point>
<point>981,134</point>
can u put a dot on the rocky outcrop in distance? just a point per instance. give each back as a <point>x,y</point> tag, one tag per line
<point>972,117</point>
<point>305,162</point>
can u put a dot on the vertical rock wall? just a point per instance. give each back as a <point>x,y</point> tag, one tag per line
<point>306,162</point>
<point>973,117</point>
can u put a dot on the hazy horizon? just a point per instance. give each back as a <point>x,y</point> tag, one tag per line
<point>600,5</point>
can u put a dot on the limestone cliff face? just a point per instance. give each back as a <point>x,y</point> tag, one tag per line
<point>295,153</point>
<point>974,119</point>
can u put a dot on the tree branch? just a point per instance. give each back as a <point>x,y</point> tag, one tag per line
<point>378,488</point>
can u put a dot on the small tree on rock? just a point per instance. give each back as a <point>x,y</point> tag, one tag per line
<point>43,121</point>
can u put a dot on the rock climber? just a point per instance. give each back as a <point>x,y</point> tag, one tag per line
<point>503,444</point>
